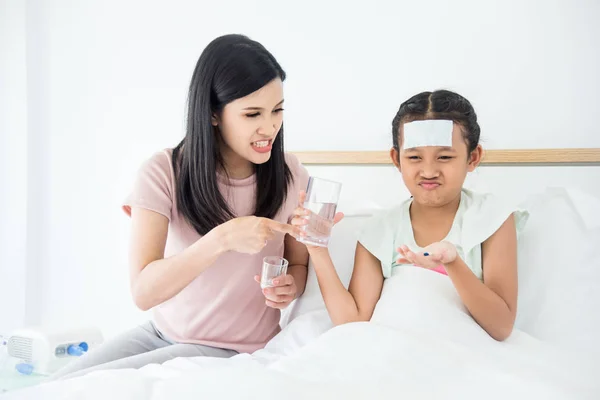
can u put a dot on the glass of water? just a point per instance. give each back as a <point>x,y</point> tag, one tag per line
<point>273,267</point>
<point>322,196</point>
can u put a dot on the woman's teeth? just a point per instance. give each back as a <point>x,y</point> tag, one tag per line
<point>262,143</point>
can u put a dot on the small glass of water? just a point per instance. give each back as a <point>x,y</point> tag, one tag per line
<point>322,196</point>
<point>273,267</point>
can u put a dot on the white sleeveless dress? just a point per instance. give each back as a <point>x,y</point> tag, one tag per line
<point>477,218</point>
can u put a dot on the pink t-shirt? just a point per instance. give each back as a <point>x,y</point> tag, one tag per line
<point>223,307</point>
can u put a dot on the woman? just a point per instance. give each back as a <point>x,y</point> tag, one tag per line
<point>206,213</point>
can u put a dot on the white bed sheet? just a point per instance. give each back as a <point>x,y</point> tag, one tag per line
<point>421,344</point>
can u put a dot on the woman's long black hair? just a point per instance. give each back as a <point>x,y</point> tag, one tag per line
<point>231,67</point>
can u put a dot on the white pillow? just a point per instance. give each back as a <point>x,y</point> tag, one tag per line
<point>559,269</point>
<point>342,246</point>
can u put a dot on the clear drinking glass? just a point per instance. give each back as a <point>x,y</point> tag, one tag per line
<point>321,201</point>
<point>273,267</point>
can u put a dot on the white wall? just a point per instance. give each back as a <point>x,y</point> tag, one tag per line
<point>106,85</point>
<point>13,164</point>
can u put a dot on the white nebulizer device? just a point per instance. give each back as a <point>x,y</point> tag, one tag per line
<point>44,352</point>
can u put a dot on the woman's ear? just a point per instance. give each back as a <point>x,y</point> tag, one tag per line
<point>475,158</point>
<point>214,120</point>
<point>395,156</point>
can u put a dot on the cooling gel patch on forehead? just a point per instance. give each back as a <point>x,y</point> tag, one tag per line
<point>432,132</point>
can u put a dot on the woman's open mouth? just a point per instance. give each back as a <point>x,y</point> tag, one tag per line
<point>262,146</point>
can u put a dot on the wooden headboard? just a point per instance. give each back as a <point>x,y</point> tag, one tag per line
<point>491,157</point>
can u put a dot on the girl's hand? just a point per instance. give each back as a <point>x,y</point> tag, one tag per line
<point>282,293</point>
<point>250,234</point>
<point>300,219</point>
<point>431,256</point>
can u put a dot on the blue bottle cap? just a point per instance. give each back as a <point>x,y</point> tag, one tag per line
<point>74,350</point>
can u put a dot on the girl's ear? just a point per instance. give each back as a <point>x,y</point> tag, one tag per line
<point>395,156</point>
<point>475,158</point>
<point>214,120</point>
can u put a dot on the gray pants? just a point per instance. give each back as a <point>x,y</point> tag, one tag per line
<point>140,346</point>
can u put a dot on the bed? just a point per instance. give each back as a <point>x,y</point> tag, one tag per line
<point>421,343</point>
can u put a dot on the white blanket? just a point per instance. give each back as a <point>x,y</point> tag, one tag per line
<point>420,344</point>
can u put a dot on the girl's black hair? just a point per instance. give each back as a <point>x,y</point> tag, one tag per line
<point>441,104</point>
<point>230,67</point>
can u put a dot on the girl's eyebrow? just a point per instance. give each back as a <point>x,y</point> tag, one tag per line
<point>443,148</point>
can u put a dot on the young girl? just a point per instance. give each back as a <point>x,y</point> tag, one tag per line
<point>443,227</point>
<point>206,213</point>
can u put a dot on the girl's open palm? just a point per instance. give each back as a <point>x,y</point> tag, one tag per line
<point>431,257</point>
